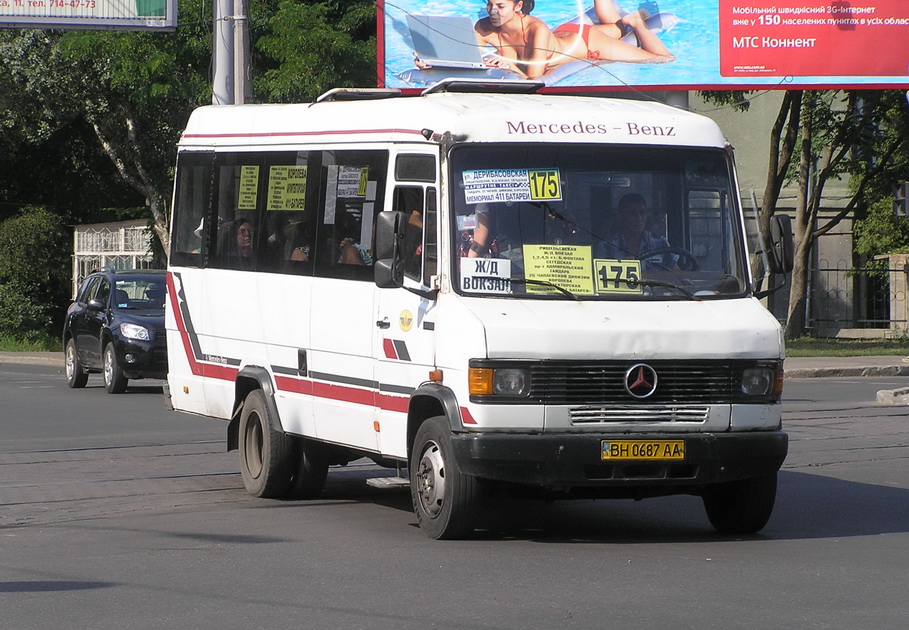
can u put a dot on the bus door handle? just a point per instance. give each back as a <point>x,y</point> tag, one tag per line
<point>302,364</point>
<point>383,323</point>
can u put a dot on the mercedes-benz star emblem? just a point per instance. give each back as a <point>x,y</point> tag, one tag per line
<point>640,380</point>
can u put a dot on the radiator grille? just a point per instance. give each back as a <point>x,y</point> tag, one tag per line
<point>685,383</point>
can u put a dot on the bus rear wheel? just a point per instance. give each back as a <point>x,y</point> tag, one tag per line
<point>445,500</point>
<point>310,469</point>
<point>266,452</point>
<point>740,507</point>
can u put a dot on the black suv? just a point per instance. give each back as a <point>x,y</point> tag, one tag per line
<point>116,327</point>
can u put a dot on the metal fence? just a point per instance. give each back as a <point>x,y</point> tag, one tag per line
<point>864,298</point>
<point>122,245</point>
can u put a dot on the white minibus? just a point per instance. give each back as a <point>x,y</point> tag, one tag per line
<point>488,288</point>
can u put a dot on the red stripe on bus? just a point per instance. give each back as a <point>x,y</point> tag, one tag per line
<point>293,385</point>
<point>343,393</point>
<point>181,326</point>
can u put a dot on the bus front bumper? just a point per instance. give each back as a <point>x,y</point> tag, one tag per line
<point>564,461</point>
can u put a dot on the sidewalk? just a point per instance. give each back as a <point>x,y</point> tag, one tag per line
<point>796,367</point>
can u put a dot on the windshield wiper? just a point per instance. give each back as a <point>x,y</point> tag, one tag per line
<point>545,283</point>
<point>666,285</point>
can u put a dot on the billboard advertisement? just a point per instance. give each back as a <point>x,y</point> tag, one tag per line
<point>130,15</point>
<point>584,45</point>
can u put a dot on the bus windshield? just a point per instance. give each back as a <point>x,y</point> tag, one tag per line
<point>595,222</point>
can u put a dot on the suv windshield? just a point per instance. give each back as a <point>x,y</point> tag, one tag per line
<point>144,294</point>
<point>596,222</point>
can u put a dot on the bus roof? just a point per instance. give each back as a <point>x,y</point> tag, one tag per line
<point>468,117</point>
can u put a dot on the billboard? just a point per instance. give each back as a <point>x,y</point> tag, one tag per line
<point>577,45</point>
<point>90,14</point>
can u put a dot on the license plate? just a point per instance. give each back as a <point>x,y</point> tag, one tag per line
<point>613,450</point>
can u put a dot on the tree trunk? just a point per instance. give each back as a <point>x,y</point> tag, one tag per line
<point>126,158</point>
<point>796,319</point>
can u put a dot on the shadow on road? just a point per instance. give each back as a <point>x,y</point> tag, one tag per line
<point>808,506</point>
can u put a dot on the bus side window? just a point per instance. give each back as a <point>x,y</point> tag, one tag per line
<point>409,200</point>
<point>351,189</point>
<point>191,207</point>
<point>430,238</point>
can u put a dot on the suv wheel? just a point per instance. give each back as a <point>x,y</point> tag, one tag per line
<point>114,379</point>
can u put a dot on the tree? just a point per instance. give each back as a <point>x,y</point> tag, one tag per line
<point>819,136</point>
<point>134,91</point>
<point>141,88</point>
<point>34,274</point>
<point>311,47</point>
<point>854,133</point>
<point>48,155</point>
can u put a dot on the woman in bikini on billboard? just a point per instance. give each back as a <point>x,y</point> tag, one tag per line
<point>524,44</point>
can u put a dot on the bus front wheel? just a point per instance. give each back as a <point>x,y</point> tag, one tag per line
<point>740,507</point>
<point>266,452</point>
<point>445,500</point>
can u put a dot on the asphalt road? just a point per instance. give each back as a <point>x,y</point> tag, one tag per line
<point>115,513</point>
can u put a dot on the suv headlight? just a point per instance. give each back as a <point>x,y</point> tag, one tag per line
<point>135,331</point>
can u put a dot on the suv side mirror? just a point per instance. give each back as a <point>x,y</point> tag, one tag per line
<point>95,305</point>
<point>781,245</point>
<point>389,267</point>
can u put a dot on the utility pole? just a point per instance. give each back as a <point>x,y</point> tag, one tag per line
<point>230,50</point>
<point>241,52</point>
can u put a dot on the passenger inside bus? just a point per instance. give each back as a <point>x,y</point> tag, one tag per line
<point>235,246</point>
<point>289,243</point>
<point>351,251</point>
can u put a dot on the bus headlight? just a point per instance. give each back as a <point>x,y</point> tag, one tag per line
<point>498,381</point>
<point>509,382</point>
<point>758,381</point>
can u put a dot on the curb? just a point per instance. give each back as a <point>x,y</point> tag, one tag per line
<point>50,358</point>
<point>820,372</point>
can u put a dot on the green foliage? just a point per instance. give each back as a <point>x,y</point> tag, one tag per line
<point>37,343</point>
<point>35,250</point>
<point>311,47</point>
<point>880,232</point>
<point>824,347</point>
<point>737,100</point>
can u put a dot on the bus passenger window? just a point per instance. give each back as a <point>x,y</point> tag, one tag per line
<point>410,202</point>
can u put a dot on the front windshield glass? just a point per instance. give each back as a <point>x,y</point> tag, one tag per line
<point>141,294</point>
<point>595,222</point>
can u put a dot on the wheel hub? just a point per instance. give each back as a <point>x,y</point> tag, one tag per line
<point>431,480</point>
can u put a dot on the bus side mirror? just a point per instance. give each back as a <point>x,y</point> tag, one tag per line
<point>389,268</point>
<point>781,246</point>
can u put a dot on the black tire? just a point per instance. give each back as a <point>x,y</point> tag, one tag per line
<point>266,452</point>
<point>445,500</point>
<point>741,507</point>
<point>114,379</point>
<point>310,471</point>
<point>76,376</point>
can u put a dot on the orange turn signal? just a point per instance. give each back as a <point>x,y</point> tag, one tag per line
<point>479,381</point>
